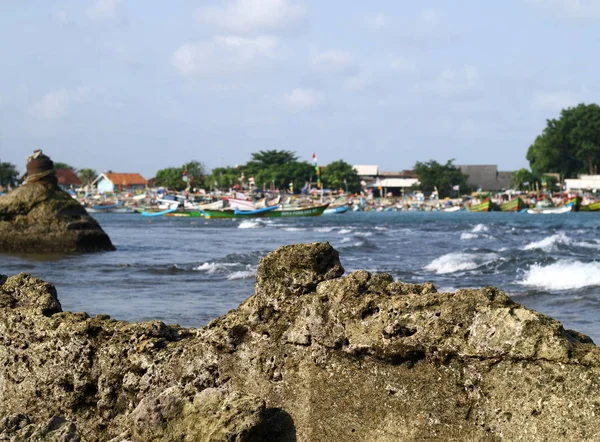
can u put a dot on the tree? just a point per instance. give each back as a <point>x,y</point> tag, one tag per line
<point>444,177</point>
<point>341,175</point>
<point>60,166</point>
<point>569,145</point>
<point>87,176</point>
<point>269,159</point>
<point>171,178</point>
<point>224,177</point>
<point>523,179</point>
<point>195,172</point>
<point>9,174</point>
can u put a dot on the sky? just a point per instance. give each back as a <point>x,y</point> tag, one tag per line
<point>139,85</point>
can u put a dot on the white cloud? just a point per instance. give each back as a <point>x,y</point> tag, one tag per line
<point>453,82</point>
<point>223,54</point>
<point>399,64</point>
<point>376,22</point>
<point>335,63</point>
<point>302,99</point>
<point>254,16</point>
<point>56,104</point>
<point>569,9</point>
<point>554,101</point>
<point>103,10</point>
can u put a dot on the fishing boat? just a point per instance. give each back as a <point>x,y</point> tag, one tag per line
<point>299,211</point>
<point>160,213</point>
<point>592,207</point>
<point>576,202</point>
<point>514,205</point>
<point>335,210</point>
<point>238,213</point>
<point>551,210</point>
<point>484,206</point>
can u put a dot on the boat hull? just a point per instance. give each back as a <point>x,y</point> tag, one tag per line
<point>485,206</point>
<point>514,205</point>
<point>279,213</point>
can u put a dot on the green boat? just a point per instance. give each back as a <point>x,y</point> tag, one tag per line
<point>576,201</point>
<point>176,213</point>
<point>593,207</point>
<point>485,206</point>
<point>514,205</point>
<point>278,213</point>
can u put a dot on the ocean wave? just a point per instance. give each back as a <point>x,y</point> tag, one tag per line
<point>552,242</point>
<point>363,234</point>
<point>381,228</point>
<point>324,229</point>
<point>459,261</point>
<point>345,231</point>
<point>250,224</point>
<point>213,267</point>
<point>480,228</point>
<point>242,274</point>
<point>563,275</point>
<point>295,229</point>
<point>466,236</point>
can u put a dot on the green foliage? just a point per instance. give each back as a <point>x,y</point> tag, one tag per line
<point>171,178</point>
<point>87,176</point>
<point>9,174</point>
<point>336,172</point>
<point>196,173</point>
<point>521,177</point>
<point>224,177</point>
<point>61,166</point>
<point>569,145</point>
<point>269,159</point>
<point>443,176</point>
<point>278,167</point>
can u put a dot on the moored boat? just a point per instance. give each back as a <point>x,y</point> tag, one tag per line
<point>237,213</point>
<point>552,210</point>
<point>514,205</point>
<point>484,206</point>
<point>593,207</point>
<point>334,210</point>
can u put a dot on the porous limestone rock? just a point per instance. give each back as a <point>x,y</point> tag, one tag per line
<point>312,356</point>
<point>41,217</point>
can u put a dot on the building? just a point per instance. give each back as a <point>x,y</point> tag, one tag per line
<point>67,179</point>
<point>486,177</point>
<point>117,182</point>
<point>395,186</point>
<point>584,182</point>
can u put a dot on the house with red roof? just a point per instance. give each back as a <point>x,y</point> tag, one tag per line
<point>67,179</point>
<point>110,182</point>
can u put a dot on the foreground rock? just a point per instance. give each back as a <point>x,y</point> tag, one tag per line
<point>312,356</point>
<point>40,217</point>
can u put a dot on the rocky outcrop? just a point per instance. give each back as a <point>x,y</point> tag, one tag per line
<point>41,217</point>
<point>312,356</point>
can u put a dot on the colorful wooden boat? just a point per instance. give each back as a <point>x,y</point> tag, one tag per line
<point>237,213</point>
<point>592,207</point>
<point>514,205</point>
<point>278,213</point>
<point>161,213</point>
<point>300,211</point>
<point>484,206</point>
<point>575,202</point>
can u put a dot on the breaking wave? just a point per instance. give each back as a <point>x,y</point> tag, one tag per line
<point>459,261</point>
<point>563,275</point>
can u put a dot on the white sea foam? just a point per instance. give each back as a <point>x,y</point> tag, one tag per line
<point>344,231</point>
<point>465,236</point>
<point>250,224</point>
<point>363,234</point>
<point>294,229</point>
<point>242,274</point>
<point>459,261</point>
<point>323,229</point>
<point>346,239</point>
<point>212,267</point>
<point>549,243</point>
<point>480,228</point>
<point>381,228</point>
<point>563,275</point>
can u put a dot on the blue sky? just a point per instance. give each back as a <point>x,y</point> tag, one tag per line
<point>138,85</point>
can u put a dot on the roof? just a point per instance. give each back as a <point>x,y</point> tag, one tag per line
<point>126,179</point>
<point>367,170</point>
<point>66,177</point>
<point>486,177</point>
<point>394,182</point>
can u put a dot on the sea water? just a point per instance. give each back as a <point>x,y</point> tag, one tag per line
<point>189,271</point>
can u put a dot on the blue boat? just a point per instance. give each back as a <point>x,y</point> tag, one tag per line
<point>339,209</point>
<point>164,212</point>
